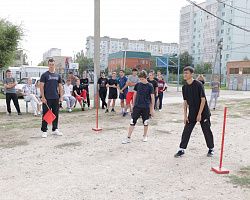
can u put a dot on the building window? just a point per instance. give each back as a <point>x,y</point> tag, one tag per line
<point>222,31</point>
<point>246,71</point>
<point>194,29</point>
<point>223,13</point>
<point>194,22</point>
<point>234,71</point>
<point>194,37</point>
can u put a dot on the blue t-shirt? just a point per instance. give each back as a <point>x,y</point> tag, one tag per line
<point>122,82</point>
<point>51,82</point>
<point>143,94</point>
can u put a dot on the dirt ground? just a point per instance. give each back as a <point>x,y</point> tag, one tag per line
<point>84,165</point>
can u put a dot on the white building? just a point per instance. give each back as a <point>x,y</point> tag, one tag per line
<point>51,53</point>
<point>200,32</point>
<point>112,45</point>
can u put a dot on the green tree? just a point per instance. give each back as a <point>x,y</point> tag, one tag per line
<point>84,62</point>
<point>185,59</point>
<point>43,63</point>
<point>10,36</point>
<point>203,68</point>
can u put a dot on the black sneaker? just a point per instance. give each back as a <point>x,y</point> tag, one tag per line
<point>113,110</point>
<point>124,114</point>
<point>179,154</point>
<point>107,110</point>
<point>19,114</point>
<point>210,153</point>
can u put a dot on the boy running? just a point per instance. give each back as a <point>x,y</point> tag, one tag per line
<point>132,81</point>
<point>196,104</point>
<point>123,89</point>
<point>112,85</point>
<point>143,103</point>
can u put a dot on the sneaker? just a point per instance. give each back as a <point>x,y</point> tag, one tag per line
<point>145,139</point>
<point>19,113</point>
<point>69,110</point>
<point>160,110</point>
<point>44,135</point>
<point>213,108</point>
<point>179,154</point>
<point>83,109</point>
<point>56,132</point>
<point>210,153</point>
<point>39,113</point>
<point>124,114</point>
<point>113,110</point>
<point>107,110</point>
<point>126,141</point>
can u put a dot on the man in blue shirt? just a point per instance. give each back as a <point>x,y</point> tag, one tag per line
<point>52,93</point>
<point>123,89</point>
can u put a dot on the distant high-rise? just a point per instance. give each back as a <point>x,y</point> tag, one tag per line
<point>112,45</point>
<point>201,32</point>
<point>51,53</point>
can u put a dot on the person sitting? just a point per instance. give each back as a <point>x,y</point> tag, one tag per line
<point>70,100</point>
<point>80,94</point>
<point>29,92</point>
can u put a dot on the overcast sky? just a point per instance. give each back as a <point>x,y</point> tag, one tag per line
<point>65,24</point>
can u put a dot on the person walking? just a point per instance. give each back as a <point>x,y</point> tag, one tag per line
<point>195,110</point>
<point>9,86</point>
<point>215,85</point>
<point>52,93</point>
<point>162,87</point>
<point>102,83</point>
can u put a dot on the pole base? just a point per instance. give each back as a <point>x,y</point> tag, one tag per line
<point>218,170</point>
<point>97,129</point>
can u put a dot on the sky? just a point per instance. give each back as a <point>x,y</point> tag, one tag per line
<point>65,24</point>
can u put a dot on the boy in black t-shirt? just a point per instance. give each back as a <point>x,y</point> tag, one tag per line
<point>152,80</point>
<point>112,85</point>
<point>196,104</point>
<point>85,84</point>
<point>143,105</point>
<point>80,93</point>
<point>102,83</point>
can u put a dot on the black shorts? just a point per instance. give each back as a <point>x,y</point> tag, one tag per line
<point>123,95</point>
<point>140,112</point>
<point>112,95</point>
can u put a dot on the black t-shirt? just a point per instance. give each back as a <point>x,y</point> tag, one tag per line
<point>85,83</point>
<point>102,83</point>
<point>77,89</point>
<point>154,83</point>
<point>112,82</point>
<point>51,82</point>
<point>193,94</point>
<point>143,94</point>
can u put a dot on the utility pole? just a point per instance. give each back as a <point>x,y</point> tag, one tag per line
<point>96,47</point>
<point>178,78</point>
<point>220,46</point>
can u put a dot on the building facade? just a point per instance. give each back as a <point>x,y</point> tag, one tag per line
<point>51,53</point>
<point>129,59</point>
<point>112,45</point>
<point>201,32</point>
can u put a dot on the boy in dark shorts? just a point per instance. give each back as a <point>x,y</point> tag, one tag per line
<point>102,84</point>
<point>143,105</point>
<point>112,85</point>
<point>195,110</point>
<point>152,80</point>
<point>85,83</point>
<point>123,89</point>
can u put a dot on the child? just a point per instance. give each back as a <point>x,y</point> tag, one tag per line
<point>161,89</point>
<point>102,83</point>
<point>80,94</point>
<point>112,85</point>
<point>143,105</point>
<point>123,89</point>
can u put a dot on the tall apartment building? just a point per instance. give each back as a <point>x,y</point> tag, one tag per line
<point>200,32</point>
<point>51,53</point>
<point>112,45</point>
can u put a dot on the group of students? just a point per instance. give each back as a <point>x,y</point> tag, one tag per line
<point>125,87</point>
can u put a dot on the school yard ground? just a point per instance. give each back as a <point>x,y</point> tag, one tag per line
<point>84,165</point>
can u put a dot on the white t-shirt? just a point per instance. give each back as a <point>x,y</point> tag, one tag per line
<point>67,90</point>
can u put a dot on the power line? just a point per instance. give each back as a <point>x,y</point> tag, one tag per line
<point>239,27</point>
<point>233,7</point>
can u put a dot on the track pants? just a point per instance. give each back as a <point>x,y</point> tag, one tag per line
<point>103,95</point>
<point>14,98</point>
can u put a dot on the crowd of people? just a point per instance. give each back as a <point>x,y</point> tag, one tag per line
<point>141,94</point>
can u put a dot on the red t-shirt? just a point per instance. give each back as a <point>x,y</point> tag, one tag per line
<point>161,86</point>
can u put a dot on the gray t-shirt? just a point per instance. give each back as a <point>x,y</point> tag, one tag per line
<point>133,79</point>
<point>8,81</point>
<point>215,86</point>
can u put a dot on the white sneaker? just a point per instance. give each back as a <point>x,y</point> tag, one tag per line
<point>39,113</point>
<point>126,141</point>
<point>70,110</point>
<point>145,139</point>
<point>44,135</point>
<point>160,110</point>
<point>56,132</point>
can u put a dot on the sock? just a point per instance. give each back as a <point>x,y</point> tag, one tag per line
<point>181,149</point>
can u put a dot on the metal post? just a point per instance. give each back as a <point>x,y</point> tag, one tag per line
<point>96,46</point>
<point>178,78</point>
<point>167,69</point>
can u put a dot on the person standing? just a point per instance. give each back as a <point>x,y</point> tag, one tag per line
<point>52,93</point>
<point>9,86</point>
<point>215,85</point>
<point>195,110</point>
<point>162,87</point>
<point>123,89</point>
<point>154,82</point>
<point>112,85</point>
<point>68,95</point>
<point>143,100</point>
<point>131,82</point>
<point>85,83</point>
<point>102,83</point>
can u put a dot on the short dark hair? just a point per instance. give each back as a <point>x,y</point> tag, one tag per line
<point>188,68</point>
<point>134,70</point>
<point>152,71</point>
<point>138,66</point>
<point>51,60</point>
<point>70,72</point>
<point>143,74</point>
<point>8,71</point>
<point>122,71</point>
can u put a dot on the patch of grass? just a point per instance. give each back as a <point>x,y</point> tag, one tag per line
<point>68,144</point>
<point>242,178</point>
